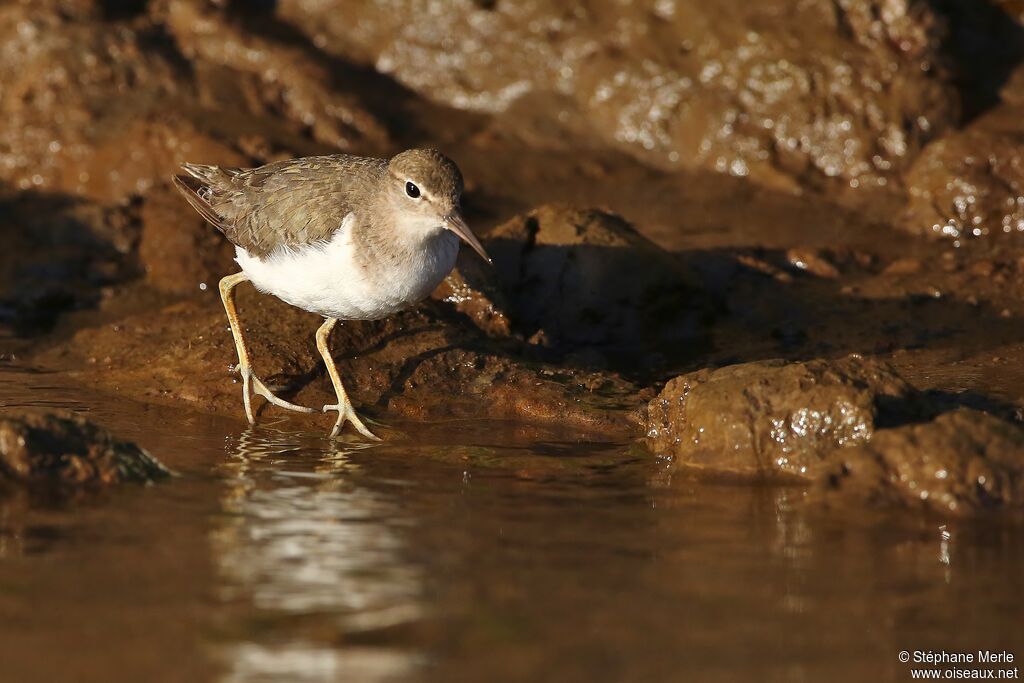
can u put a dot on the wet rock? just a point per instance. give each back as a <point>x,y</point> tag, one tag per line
<point>812,261</point>
<point>903,266</point>
<point>69,451</point>
<point>280,76</point>
<point>970,184</point>
<point>473,290</point>
<point>771,418</point>
<point>417,364</point>
<point>73,86</point>
<point>101,103</point>
<point>106,104</point>
<point>962,462</point>
<point>588,279</point>
<point>760,265</point>
<point>94,108</point>
<point>788,93</point>
<point>466,383</point>
<point>982,268</point>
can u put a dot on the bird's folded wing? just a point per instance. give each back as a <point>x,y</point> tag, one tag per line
<point>282,205</point>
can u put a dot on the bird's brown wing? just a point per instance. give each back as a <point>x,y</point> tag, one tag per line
<point>283,204</point>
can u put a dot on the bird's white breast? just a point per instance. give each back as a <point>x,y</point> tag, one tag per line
<point>327,278</point>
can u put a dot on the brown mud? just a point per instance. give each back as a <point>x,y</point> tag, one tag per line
<point>776,244</point>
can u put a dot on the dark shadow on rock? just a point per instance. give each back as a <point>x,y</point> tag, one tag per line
<point>60,252</point>
<point>772,310</point>
<point>948,401</point>
<point>118,10</point>
<point>630,310</point>
<point>585,286</point>
<point>920,407</point>
<point>983,45</point>
<point>600,303</point>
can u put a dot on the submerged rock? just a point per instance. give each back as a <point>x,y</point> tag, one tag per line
<point>962,462</point>
<point>771,417</point>
<point>67,450</point>
<point>587,278</point>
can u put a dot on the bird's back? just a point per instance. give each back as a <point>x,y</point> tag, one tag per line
<point>282,205</point>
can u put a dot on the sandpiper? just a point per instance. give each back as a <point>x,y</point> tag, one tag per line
<point>346,237</point>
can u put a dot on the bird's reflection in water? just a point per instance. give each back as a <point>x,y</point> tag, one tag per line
<point>305,549</point>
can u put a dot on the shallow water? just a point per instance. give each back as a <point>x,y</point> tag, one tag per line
<point>469,551</point>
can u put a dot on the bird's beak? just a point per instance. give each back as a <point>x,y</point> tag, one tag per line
<point>457,224</point>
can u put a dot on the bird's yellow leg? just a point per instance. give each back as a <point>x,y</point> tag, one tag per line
<point>249,381</point>
<point>344,405</point>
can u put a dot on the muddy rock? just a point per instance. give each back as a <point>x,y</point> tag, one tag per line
<point>101,103</point>
<point>421,363</point>
<point>587,278</point>
<point>963,462</point>
<point>970,184</point>
<point>771,418</point>
<point>473,290</point>
<point>69,451</point>
<point>92,107</point>
<point>813,262</point>
<point>66,79</point>
<point>105,103</point>
<point>273,76</point>
<point>178,250</point>
<point>788,93</point>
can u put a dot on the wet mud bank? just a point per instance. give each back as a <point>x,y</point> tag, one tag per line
<point>787,256</point>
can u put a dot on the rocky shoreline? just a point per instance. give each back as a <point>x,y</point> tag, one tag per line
<point>787,268</point>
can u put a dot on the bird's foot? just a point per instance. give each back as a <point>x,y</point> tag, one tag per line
<point>347,413</point>
<point>250,381</point>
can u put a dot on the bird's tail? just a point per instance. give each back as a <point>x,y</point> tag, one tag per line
<point>199,185</point>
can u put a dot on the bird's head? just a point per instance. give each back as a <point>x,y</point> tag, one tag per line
<point>426,187</point>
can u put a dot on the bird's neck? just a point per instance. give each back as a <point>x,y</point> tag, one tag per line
<point>388,236</point>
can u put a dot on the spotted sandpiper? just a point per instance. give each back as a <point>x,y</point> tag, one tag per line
<point>346,237</point>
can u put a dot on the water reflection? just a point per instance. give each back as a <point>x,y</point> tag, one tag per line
<point>305,663</point>
<point>299,537</point>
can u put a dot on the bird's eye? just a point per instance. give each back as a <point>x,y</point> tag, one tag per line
<point>412,190</point>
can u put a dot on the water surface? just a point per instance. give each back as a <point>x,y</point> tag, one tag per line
<point>469,551</point>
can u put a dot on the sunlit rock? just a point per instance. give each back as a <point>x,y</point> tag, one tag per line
<point>771,418</point>
<point>962,462</point>
<point>788,93</point>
